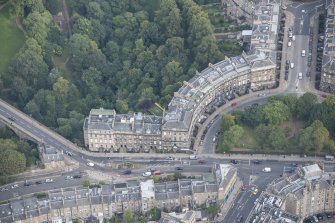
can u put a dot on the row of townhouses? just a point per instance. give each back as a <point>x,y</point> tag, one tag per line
<point>65,204</point>
<point>308,192</point>
<point>327,79</point>
<point>105,130</point>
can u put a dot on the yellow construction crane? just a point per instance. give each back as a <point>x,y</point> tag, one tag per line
<point>159,106</point>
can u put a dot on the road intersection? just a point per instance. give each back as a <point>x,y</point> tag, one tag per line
<point>300,16</point>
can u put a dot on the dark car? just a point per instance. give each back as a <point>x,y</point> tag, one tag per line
<point>38,182</point>
<point>26,184</point>
<point>151,169</point>
<point>11,118</point>
<point>234,161</point>
<point>257,162</point>
<point>202,161</point>
<point>329,216</point>
<point>320,217</point>
<point>77,176</point>
<point>179,168</point>
<point>240,219</point>
<point>126,172</point>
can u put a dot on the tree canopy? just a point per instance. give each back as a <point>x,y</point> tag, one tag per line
<point>124,55</point>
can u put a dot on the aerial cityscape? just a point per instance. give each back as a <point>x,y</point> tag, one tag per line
<point>167,111</point>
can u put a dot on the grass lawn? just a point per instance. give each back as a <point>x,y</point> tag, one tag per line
<point>248,138</point>
<point>61,63</point>
<point>11,38</point>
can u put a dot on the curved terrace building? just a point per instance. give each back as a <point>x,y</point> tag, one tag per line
<point>104,130</point>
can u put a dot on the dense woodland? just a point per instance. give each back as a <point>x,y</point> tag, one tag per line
<point>271,135</point>
<point>124,54</point>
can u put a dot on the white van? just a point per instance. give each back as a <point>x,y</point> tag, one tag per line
<point>289,43</point>
<point>90,164</point>
<point>267,170</point>
<point>292,65</point>
<point>193,157</point>
<point>303,53</point>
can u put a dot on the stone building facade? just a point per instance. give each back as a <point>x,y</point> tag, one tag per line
<point>327,79</point>
<point>308,192</point>
<point>70,203</point>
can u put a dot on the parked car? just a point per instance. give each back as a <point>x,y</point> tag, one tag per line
<point>234,161</point>
<point>38,182</point>
<point>49,180</point>
<point>68,177</point>
<point>157,172</point>
<point>193,157</point>
<point>27,184</point>
<point>240,219</point>
<point>201,161</point>
<point>146,174</point>
<point>90,164</point>
<point>169,158</point>
<point>77,176</point>
<point>126,172</point>
<point>257,162</point>
<point>233,104</point>
<point>14,186</point>
<point>151,169</point>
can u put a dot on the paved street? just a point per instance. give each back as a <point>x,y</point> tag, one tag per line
<point>299,19</point>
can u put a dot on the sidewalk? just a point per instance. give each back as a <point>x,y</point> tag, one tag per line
<point>226,207</point>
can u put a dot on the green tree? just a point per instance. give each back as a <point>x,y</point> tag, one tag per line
<point>291,102</point>
<point>227,122</point>
<point>98,32</point>
<point>320,135</point>
<point>82,25</point>
<point>270,137</point>
<point>86,183</point>
<point>54,6</point>
<point>92,78</point>
<point>277,139</point>
<point>37,25</point>
<point>207,51</point>
<point>11,162</point>
<point>128,216</point>
<point>233,135</point>
<point>27,72</point>
<point>155,214</point>
<point>252,116</point>
<point>24,7</point>
<point>171,72</point>
<point>331,146</point>
<point>150,32</point>
<point>305,104</point>
<point>121,106</point>
<point>314,138</point>
<point>61,87</point>
<point>85,53</point>
<point>94,11</point>
<point>275,113</point>
<point>213,210</point>
<point>168,17</point>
